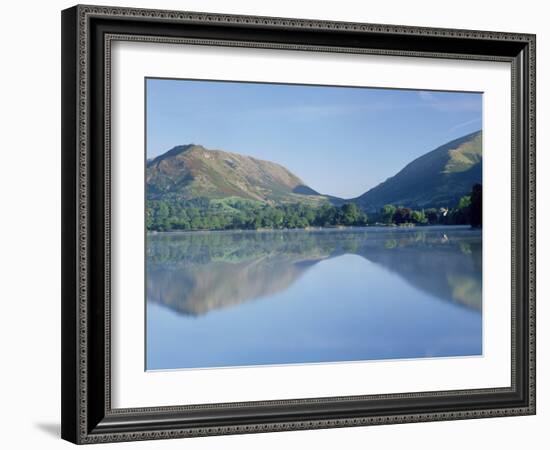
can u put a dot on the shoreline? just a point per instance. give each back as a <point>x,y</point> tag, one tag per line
<point>322,229</point>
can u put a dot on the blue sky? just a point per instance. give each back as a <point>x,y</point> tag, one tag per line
<point>340,141</point>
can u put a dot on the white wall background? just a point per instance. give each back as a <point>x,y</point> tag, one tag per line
<point>30,223</point>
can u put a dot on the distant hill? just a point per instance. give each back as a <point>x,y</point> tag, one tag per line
<point>438,178</point>
<point>192,171</point>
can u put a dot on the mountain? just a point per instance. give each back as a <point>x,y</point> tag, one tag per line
<point>438,178</point>
<point>192,171</point>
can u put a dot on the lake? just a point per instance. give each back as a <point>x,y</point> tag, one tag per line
<point>241,298</point>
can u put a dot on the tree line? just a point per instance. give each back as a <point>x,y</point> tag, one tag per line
<point>468,211</point>
<point>202,214</point>
<point>241,214</point>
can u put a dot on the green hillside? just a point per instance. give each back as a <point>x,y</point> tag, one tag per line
<point>191,171</point>
<point>194,188</point>
<point>437,179</point>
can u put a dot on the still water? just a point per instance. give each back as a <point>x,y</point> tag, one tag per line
<point>218,299</point>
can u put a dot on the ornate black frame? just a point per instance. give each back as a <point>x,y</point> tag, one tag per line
<point>87,31</point>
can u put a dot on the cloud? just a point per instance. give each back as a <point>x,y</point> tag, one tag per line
<point>465,124</point>
<point>449,102</point>
<point>320,111</point>
<point>427,96</point>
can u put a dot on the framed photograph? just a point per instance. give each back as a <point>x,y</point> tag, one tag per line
<point>277,224</point>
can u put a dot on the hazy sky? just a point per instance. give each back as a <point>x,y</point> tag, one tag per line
<point>340,141</point>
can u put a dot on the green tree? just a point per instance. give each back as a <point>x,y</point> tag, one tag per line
<point>387,213</point>
<point>402,215</point>
<point>196,223</point>
<point>476,210</point>
<point>163,211</point>
<point>464,202</point>
<point>149,218</point>
<point>431,215</point>
<point>418,217</point>
<point>350,214</point>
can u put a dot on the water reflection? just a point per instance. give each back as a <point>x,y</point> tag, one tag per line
<point>195,273</point>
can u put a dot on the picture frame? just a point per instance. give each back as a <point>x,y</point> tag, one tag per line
<point>88,415</point>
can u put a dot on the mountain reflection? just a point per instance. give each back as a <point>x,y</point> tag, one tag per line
<point>194,273</point>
